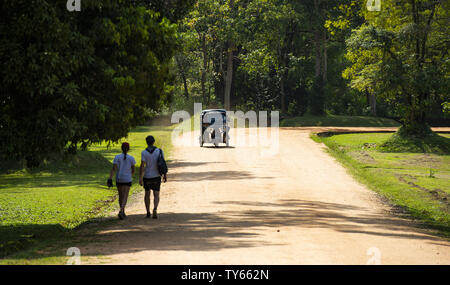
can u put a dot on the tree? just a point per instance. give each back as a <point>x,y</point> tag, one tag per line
<point>79,78</point>
<point>401,53</point>
<point>270,32</point>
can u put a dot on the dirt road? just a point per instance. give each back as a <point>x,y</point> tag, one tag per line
<point>245,205</point>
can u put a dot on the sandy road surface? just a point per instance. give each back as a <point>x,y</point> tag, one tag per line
<point>245,205</point>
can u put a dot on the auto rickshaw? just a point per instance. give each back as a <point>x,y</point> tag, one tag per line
<point>214,127</point>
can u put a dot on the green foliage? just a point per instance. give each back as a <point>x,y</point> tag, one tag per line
<point>400,54</point>
<point>73,79</point>
<point>274,53</point>
<point>446,107</point>
<point>70,78</point>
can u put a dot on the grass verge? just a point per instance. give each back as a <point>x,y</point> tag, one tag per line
<point>418,182</point>
<point>44,205</point>
<point>338,121</point>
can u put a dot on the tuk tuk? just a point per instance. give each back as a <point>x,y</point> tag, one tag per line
<point>214,127</point>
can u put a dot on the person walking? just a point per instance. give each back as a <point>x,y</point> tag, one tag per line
<point>150,174</point>
<point>124,164</point>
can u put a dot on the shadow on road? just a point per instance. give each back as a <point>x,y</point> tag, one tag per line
<point>241,229</point>
<point>181,163</point>
<point>226,175</point>
<point>232,229</point>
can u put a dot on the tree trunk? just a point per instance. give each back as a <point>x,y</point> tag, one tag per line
<point>186,90</point>
<point>372,102</point>
<point>205,62</point>
<point>325,56</point>
<point>284,62</point>
<point>317,100</point>
<point>183,77</point>
<point>373,105</point>
<point>229,77</point>
<point>317,48</point>
<point>283,96</point>
<point>219,81</point>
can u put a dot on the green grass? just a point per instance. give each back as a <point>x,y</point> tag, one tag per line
<point>338,121</point>
<point>418,182</point>
<point>37,206</point>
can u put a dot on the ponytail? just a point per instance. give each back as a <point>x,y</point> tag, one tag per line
<point>125,149</point>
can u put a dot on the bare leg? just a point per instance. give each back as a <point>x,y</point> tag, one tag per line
<point>147,200</point>
<point>156,200</point>
<point>119,188</point>
<point>126,192</point>
<point>155,204</point>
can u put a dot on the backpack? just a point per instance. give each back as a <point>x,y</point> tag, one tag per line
<point>161,163</point>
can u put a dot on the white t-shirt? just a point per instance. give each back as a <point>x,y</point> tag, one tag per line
<point>151,163</point>
<point>124,168</point>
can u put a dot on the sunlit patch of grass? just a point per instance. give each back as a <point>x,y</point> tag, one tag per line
<point>362,141</point>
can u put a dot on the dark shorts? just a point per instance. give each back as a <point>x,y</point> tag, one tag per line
<point>123,184</point>
<point>152,184</point>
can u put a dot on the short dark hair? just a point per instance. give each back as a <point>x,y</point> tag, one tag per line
<point>150,140</point>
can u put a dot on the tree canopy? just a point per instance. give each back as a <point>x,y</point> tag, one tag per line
<point>84,77</point>
<point>401,54</point>
<point>70,79</point>
<point>342,57</point>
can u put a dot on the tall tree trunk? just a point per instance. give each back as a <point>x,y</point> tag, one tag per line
<point>183,77</point>
<point>284,62</point>
<point>318,52</point>
<point>205,62</point>
<point>284,73</point>
<point>283,96</point>
<point>219,81</point>
<point>373,105</point>
<point>325,56</point>
<point>186,90</point>
<point>372,102</point>
<point>316,102</point>
<point>229,77</point>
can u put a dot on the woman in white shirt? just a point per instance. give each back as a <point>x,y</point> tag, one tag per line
<point>124,165</point>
